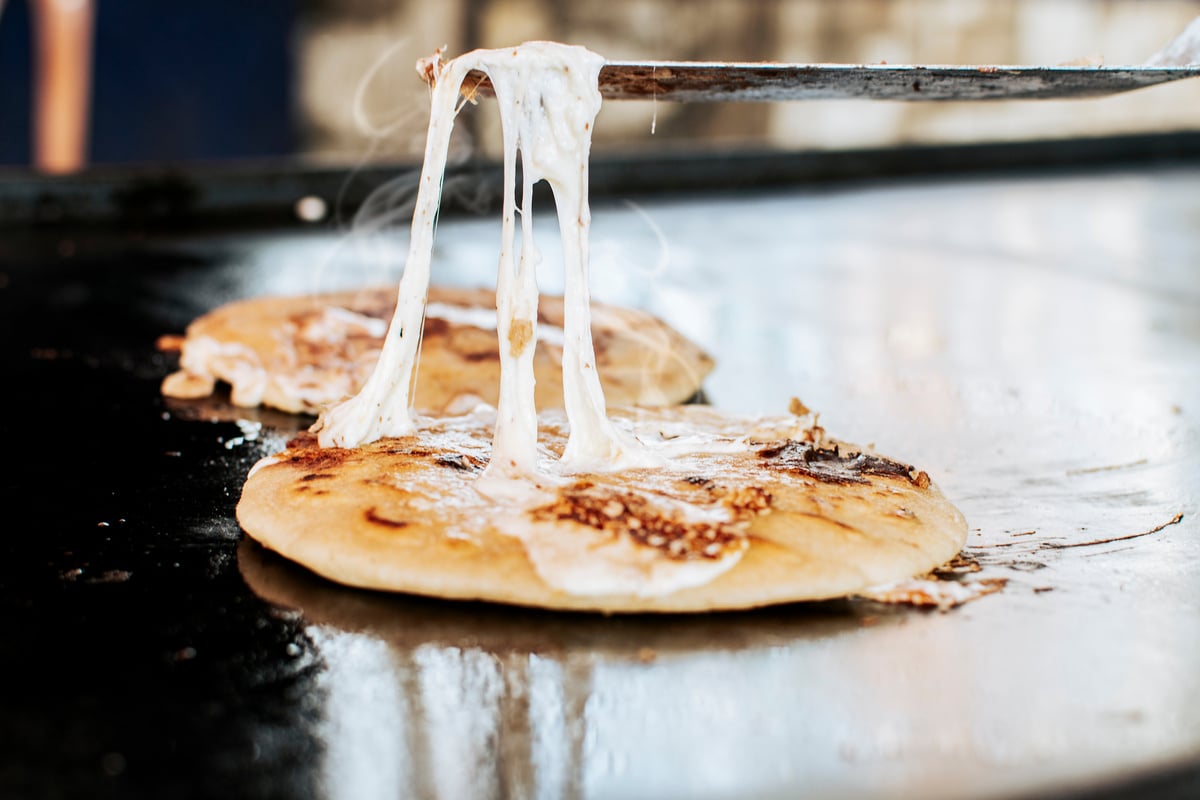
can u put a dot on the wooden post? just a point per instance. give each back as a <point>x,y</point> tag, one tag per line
<point>62,83</point>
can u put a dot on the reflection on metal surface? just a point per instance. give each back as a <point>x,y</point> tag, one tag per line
<point>366,751</point>
<point>456,699</point>
<point>463,699</point>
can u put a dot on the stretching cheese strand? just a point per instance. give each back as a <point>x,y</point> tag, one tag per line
<point>548,98</point>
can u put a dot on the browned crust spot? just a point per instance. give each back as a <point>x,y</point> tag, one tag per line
<point>372,515</point>
<point>406,450</point>
<point>827,463</point>
<point>314,459</point>
<point>625,513</point>
<point>385,483</point>
<point>462,461</point>
<point>959,565</point>
<point>302,439</point>
<point>436,327</point>
<point>830,520</point>
<point>744,501</point>
<point>700,481</point>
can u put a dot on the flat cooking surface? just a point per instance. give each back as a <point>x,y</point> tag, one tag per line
<point>1034,343</point>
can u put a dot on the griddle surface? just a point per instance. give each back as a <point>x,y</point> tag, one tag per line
<point>1033,343</point>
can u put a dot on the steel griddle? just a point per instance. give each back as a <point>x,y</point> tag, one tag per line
<point>1033,341</point>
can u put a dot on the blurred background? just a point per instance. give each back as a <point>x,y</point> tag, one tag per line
<point>331,82</point>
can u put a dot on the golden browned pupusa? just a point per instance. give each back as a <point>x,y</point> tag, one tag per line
<point>302,354</point>
<point>746,522</point>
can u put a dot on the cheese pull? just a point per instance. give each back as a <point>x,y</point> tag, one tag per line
<point>548,98</point>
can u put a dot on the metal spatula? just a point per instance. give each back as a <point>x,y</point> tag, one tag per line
<point>691,81</point>
<point>700,82</point>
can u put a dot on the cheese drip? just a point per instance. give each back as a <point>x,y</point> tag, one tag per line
<point>548,97</point>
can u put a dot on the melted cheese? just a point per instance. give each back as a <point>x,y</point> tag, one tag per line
<point>233,362</point>
<point>548,97</point>
<point>610,566</point>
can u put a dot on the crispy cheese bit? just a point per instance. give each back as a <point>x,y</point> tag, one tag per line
<point>625,513</point>
<point>746,501</point>
<point>429,66</point>
<point>931,593</point>
<point>797,408</point>
<point>829,464</point>
<point>815,434</point>
<point>184,385</point>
